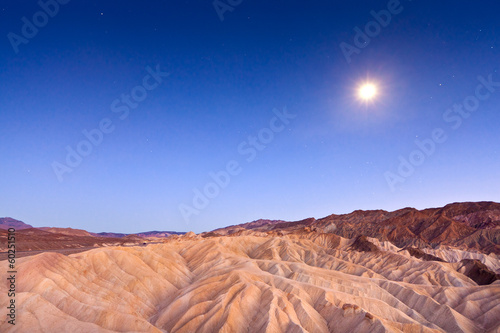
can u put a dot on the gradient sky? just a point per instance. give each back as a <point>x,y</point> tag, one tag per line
<point>226,78</point>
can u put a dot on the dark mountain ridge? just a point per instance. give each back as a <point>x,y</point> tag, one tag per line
<point>473,225</point>
<point>8,222</point>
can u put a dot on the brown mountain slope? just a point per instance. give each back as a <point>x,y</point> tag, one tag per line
<point>478,271</point>
<point>468,225</point>
<point>67,231</point>
<point>34,239</point>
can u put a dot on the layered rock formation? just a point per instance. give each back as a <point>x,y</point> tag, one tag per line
<point>301,282</point>
<point>469,225</point>
<point>276,277</point>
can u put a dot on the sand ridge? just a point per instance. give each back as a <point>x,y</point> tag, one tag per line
<point>306,282</point>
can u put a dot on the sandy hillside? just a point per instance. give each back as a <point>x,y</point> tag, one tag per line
<point>259,282</point>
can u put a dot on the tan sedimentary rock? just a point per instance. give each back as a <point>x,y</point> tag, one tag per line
<point>304,282</point>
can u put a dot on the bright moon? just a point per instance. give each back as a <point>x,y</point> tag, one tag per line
<point>367,91</point>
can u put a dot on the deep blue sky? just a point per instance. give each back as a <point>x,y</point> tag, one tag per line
<point>226,78</point>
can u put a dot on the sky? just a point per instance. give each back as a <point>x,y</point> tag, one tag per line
<point>195,115</point>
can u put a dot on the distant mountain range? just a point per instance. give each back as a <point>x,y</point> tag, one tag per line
<point>7,222</point>
<point>474,225</point>
<point>468,225</point>
<point>30,240</point>
<point>141,234</point>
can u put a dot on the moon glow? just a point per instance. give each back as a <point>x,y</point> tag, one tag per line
<point>367,91</point>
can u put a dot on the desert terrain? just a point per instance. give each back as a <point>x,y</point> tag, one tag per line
<point>433,270</point>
